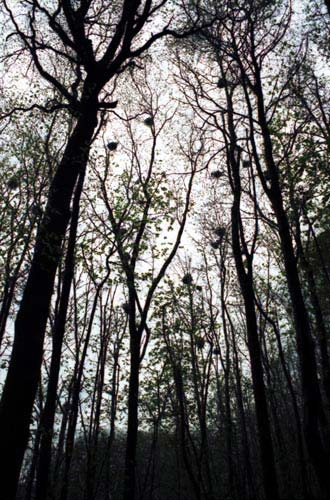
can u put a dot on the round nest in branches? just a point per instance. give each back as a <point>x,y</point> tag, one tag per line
<point>125,307</point>
<point>215,244</point>
<point>112,146</point>
<point>220,231</point>
<point>216,351</point>
<point>216,174</point>
<point>200,342</point>
<point>13,183</point>
<point>221,83</point>
<point>149,121</point>
<point>246,164</point>
<point>187,279</point>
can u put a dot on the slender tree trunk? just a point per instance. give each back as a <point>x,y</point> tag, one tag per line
<point>95,417</point>
<point>322,334</point>
<point>299,430</point>
<point>48,415</point>
<point>263,422</point>
<point>132,424</point>
<point>33,465</point>
<point>113,413</point>
<point>249,483</point>
<point>184,430</point>
<point>203,465</point>
<point>74,407</point>
<point>60,448</point>
<point>314,418</point>
<point>24,369</point>
<point>226,366</point>
<point>245,278</point>
<point>9,289</point>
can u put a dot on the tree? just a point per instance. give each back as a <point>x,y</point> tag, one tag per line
<point>141,201</point>
<point>184,309</point>
<point>90,68</point>
<point>249,62</point>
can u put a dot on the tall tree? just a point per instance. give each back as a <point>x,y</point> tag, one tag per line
<point>93,49</point>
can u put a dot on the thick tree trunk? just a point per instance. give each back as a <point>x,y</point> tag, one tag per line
<point>24,369</point>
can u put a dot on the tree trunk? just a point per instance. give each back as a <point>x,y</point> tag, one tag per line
<point>245,278</point>
<point>48,415</point>
<point>259,391</point>
<point>322,334</point>
<point>132,424</point>
<point>9,289</point>
<point>32,468</point>
<point>314,417</point>
<point>76,389</point>
<point>24,369</point>
<point>249,489</point>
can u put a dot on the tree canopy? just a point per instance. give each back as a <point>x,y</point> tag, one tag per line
<point>164,198</point>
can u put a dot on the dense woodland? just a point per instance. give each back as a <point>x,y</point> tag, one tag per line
<point>165,249</point>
